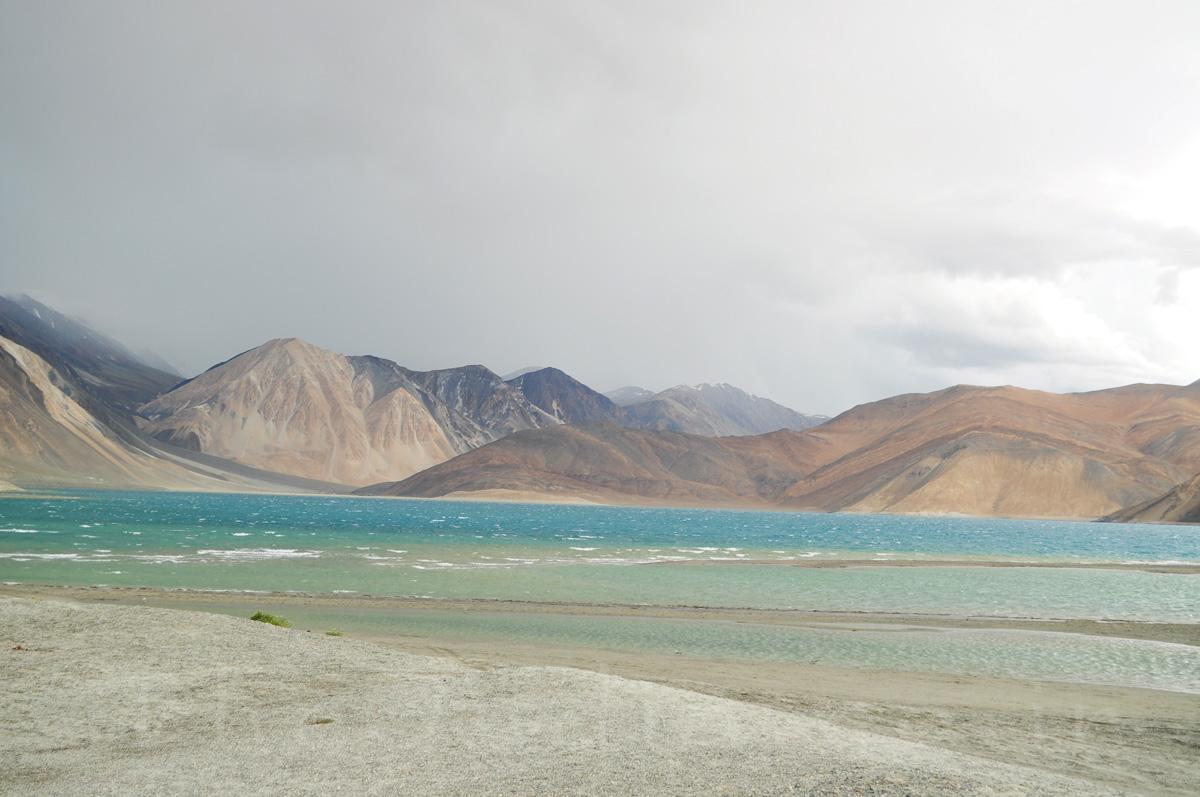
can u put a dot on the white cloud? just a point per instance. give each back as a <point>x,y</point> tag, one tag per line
<point>823,202</point>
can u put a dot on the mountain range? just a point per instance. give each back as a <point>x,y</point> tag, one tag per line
<point>79,409</point>
<point>972,450</point>
<point>290,409</point>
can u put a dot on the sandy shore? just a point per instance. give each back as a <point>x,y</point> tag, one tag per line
<point>119,700</point>
<point>1071,737</point>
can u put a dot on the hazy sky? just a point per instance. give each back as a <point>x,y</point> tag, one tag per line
<point>822,202</point>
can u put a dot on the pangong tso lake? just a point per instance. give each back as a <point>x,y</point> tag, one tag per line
<point>442,552</point>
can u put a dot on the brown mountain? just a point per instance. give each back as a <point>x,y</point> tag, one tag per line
<point>1180,504</point>
<point>1007,451</point>
<point>973,450</point>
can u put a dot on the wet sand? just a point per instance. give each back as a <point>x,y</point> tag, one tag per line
<point>1142,740</point>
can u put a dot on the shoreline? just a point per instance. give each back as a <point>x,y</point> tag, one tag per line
<point>530,498</point>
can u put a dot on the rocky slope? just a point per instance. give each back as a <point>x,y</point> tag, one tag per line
<point>1180,504</point>
<point>566,399</point>
<point>972,450</point>
<point>47,438</point>
<point>108,377</point>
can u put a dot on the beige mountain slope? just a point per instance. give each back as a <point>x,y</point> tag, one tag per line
<point>971,450</point>
<point>47,438</point>
<point>1180,504</point>
<point>291,407</point>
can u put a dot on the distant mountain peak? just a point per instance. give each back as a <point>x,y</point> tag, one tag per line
<point>289,343</point>
<point>521,372</point>
<point>714,410</point>
<point>629,394</point>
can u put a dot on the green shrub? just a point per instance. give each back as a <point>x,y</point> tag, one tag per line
<point>263,617</point>
<point>333,632</point>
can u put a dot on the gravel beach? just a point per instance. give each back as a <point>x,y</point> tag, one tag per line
<point>125,700</point>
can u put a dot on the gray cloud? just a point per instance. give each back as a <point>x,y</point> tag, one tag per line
<point>822,202</point>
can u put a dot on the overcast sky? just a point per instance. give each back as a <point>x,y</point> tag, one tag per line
<point>822,202</point>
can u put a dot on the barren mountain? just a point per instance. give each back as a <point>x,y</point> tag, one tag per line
<point>973,450</point>
<point>714,411</point>
<point>294,408</point>
<point>1006,451</point>
<point>1180,504</point>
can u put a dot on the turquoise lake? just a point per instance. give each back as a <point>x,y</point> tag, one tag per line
<point>671,557</point>
<point>591,554</point>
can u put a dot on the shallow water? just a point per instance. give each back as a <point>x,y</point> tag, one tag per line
<point>1036,655</point>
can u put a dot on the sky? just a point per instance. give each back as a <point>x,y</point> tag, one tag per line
<point>824,203</point>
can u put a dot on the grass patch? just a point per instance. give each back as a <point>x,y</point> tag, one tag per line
<point>334,632</point>
<point>273,619</point>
